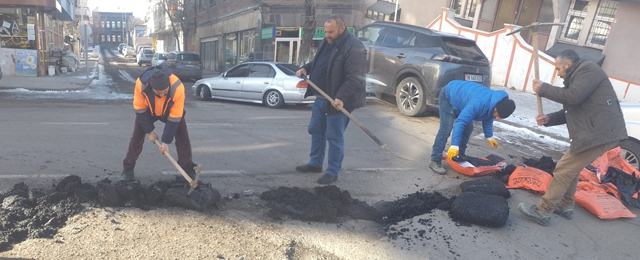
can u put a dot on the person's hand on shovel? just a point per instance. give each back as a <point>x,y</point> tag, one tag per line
<point>537,84</point>
<point>301,72</point>
<point>164,148</point>
<point>337,103</point>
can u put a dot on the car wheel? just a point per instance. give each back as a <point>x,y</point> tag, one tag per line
<point>631,152</point>
<point>411,97</point>
<point>205,93</point>
<point>273,99</point>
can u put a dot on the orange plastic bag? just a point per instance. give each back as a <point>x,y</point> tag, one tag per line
<point>529,178</point>
<point>602,204</point>
<point>607,187</point>
<point>470,170</point>
<point>612,158</point>
<point>588,175</point>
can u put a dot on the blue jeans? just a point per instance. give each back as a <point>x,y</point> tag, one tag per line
<point>325,128</point>
<point>447,119</point>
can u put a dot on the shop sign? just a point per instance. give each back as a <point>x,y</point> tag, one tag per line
<point>319,33</point>
<point>269,32</point>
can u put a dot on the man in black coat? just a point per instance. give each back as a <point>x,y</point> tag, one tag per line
<point>337,69</point>
<point>594,119</point>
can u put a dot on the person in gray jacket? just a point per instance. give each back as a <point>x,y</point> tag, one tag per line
<point>594,119</point>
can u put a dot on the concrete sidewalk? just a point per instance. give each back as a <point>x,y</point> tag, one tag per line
<point>77,80</point>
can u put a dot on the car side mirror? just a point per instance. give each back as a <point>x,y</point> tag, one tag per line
<point>224,75</point>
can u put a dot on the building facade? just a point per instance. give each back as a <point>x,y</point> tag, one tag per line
<point>112,28</point>
<point>232,32</point>
<point>31,32</point>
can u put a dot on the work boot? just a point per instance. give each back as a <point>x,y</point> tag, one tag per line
<point>533,213</point>
<point>127,175</point>
<point>563,212</point>
<point>308,168</point>
<point>436,166</point>
<point>191,171</point>
<point>327,179</point>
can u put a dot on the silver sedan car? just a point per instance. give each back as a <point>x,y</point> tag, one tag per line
<point>270,83</point>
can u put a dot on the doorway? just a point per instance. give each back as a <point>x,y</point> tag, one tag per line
<point>287,50</point>
<point>209,54</point>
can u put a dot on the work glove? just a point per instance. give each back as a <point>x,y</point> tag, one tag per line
<point>492,141</point>
<point>453,152</point>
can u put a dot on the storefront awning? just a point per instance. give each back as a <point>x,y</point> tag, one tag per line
<point>383,7</point>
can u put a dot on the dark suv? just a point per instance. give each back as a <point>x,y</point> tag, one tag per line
<point>414,63</point>
<point>184,64</point>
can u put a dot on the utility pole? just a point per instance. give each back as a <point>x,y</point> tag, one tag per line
<point>395,14</point>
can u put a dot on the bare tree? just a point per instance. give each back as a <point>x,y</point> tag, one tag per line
<point>176,10</point>
<point>308,30</point>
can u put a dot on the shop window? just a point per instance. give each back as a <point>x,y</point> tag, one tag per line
<point>14,29</point>
<point>369,14</point>
<point>602,24</point>
<point>575,20</point>
<point>230,50</point>
<point>247,43</point>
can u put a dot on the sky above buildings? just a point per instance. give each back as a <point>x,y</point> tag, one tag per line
<point>137,7</point>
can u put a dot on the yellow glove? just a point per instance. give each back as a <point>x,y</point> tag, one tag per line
<point>492,141</point>
<point>453,151</point>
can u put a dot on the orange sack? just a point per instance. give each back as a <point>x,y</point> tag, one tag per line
<point>470,170</point>
<point>602,204</point>
<point>529,178</point>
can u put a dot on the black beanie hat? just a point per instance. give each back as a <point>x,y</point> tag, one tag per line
<point>159,80</point>
<point>505,107</point>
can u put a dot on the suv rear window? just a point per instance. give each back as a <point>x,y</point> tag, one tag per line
<point>289,69</point>
<point>188,57</point>
<point>465,49</point>
<point>147,51</point>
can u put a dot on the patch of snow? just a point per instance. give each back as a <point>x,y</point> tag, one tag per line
<point>527,139</point>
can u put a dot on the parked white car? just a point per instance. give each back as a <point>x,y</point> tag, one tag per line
<point>128,51</point>
<point>158,59</point>
<point>144,56</point>
<point>270,83</point>
<point>631,146</point>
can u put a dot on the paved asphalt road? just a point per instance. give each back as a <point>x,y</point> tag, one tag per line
<point>46,136</point>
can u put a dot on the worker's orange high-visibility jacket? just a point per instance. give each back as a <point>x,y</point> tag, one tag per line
<point>150,108</point>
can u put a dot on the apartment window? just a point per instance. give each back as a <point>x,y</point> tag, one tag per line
<point>113,24</point>
<point>469,10</point>
<point>575,20</point>
<point>602,24</point>
<point>102,38</point>
<point>119,24</point>
<point>103,24</point>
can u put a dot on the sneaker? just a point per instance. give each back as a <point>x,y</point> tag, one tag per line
<point>327,179</point>
<point>127,175</point>
<point>533,213</point>
<point>308,168</point>
<point>563,212</point>
<point>437,167</point>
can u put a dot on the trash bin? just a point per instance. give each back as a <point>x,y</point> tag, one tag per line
<point>52,70</point>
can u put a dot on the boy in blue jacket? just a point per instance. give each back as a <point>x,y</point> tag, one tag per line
<point>460,103</point>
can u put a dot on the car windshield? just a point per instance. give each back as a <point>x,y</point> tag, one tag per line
<point>289,69</point>
<point>188,57</point>
<point>465,49</point>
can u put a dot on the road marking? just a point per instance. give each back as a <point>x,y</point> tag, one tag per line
<point>125,76</point>
<point>208,172</point>
<point>380,169</point>
<point>209,124</point>
<point>59,123</point>
<point>22,176</point>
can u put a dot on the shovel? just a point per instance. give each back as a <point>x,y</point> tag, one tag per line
<point>352,118</point>
<point>192,183</point>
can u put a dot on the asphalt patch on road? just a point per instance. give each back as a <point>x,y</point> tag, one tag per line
<point>33,213</point>
<point>325,204</point>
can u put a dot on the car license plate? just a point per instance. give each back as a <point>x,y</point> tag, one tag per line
<point>471,77</point>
